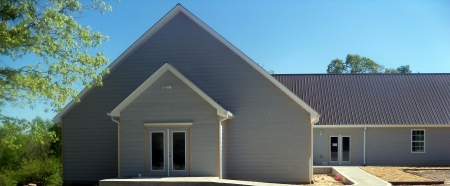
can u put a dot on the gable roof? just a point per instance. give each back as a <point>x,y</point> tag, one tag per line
<point>172,13</point>
<point>155,76</point>
<point>371,99</point>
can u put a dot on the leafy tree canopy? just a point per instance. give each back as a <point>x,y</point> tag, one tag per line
<point>47,29</point>
<point>30,151</point>
<point>401,69</point>
<point>357,64</point>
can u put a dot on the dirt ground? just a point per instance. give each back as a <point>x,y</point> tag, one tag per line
<point>409,174</point>
<point>325,180</point>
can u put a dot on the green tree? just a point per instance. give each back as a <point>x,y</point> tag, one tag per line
<point>401,69</point>
<point>29,151</point>
<point>56,145</point>
<point>48,31</point>
<point>336,66</point>
<point>357,64</point>
<point>21,139</point>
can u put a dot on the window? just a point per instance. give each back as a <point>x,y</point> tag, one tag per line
<point>418,141</point>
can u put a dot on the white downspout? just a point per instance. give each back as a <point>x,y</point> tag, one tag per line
<point>118,146</point>
<point>311,159</point>
<point>221,145</point>
<point>364,156</point>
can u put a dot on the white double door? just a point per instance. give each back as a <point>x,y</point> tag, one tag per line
<point>340,150</point>
<point>168,152</point>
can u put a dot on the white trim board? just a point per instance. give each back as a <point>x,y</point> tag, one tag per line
<point>172,13</point>
<point>155,76</point>
<point>183,124</point>
<point>378,126</point>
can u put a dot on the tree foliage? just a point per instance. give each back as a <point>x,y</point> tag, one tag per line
<point>48,31</point>
<point>46,172</point>
<point>29,151</point>
<point>401,69</point>
<point>21,139</point>
<point>354,63</point>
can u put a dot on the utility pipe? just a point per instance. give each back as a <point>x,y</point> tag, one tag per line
<point>118,145</point>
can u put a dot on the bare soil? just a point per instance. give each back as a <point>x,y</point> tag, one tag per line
<point>409,174</point>
<point>325,180</point>
<point>435,174</point>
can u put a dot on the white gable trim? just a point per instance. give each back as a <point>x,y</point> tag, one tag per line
<point>155,76</point>
<point>177,9</point>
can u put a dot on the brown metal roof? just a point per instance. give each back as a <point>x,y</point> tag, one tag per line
<point>374,98</point>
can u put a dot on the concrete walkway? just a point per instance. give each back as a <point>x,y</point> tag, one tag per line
<point>184,181</point>
<point>360,177</point>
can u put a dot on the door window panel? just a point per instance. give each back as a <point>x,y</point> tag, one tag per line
<point>345,148</point>
<point>179,151</point>
<point>157,151</point>
<point>334,148</point>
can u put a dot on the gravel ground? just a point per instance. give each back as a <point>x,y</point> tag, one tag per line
<point>437,175</point>
<point>410,174</point>
<point>393,174</point>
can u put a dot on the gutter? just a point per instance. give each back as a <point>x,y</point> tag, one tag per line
<point>228,115</point>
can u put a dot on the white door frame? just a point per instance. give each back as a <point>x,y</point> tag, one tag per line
<point>340,148</point>
<point>168,129</point>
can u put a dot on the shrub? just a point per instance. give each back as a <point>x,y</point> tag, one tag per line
<point>42,172</point>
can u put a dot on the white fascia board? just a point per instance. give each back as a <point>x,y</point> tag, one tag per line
<point>179,8</point>
<point>155,76</point>
<point>380,126</point>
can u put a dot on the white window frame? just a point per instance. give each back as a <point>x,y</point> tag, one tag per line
<point>424,140</point>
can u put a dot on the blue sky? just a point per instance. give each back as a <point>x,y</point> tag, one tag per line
<point>294,36</point>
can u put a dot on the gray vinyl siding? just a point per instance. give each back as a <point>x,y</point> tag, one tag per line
<point>89,142</point>
<point>392,146</point>
<point>322,146</point>
<point>179,104</point>
<point>268,140</point>
<point>387,146</point>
